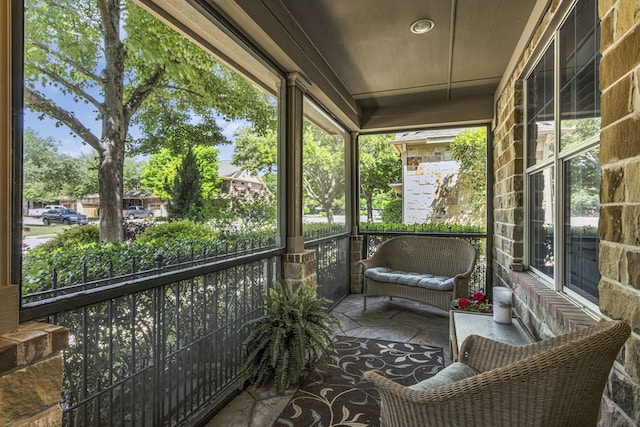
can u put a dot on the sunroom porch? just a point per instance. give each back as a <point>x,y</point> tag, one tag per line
<point>159,379</point>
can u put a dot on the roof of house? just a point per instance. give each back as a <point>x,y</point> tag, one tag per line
<point>227,171</point>
<point>433,136</point>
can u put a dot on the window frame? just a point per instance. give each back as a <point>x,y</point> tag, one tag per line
<point>557,163</point>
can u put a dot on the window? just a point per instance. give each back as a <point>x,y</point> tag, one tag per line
<point>324,171</point>
<point>562,156</point>
<point>174,116</point>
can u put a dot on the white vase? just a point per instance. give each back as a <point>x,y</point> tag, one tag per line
<point>502,304</point>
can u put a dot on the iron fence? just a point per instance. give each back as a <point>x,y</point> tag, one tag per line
<point>332,254</point>
<point>100,272</point>
<point>161,351</point>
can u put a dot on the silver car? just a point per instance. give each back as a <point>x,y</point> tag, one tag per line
<point>63,216</point>
<point>133,212</point>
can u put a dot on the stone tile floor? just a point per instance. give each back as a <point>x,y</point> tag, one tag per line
<point>396,320</point>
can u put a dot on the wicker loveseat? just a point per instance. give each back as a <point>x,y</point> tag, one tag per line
<point>552,383</point>
<point>433,270</point>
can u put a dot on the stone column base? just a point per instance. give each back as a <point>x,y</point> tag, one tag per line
<point>31,371</point>
<point>357,248</point>
<point>300,268</point>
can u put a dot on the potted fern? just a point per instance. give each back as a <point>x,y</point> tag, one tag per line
<point>294,332</point>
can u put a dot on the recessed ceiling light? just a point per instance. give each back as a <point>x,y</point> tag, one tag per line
<point>422,26</point>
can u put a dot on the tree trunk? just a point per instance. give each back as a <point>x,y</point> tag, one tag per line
<point>329,212</point>
<point>114,126</point>
<point>110,191</point>
<point>369,199</point>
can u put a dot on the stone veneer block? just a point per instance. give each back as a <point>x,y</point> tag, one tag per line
<point>606,31</point>
<point>610,264</point>
<point>613,108</point>
<point>627,10</point>
<point>8,355</point>
<point>620,58</point>
<point>610,224</point>
<point>613,185</point>
<point>30,390</point>
<point>620,302</point>
<point>620,140</point>
<point>632,361</point>
<point>58,335</point>
<point>31,345</point>
<point>51,417</point>
<point>9,304</point>
<point>632,178</point>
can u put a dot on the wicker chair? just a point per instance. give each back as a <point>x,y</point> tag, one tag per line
<point>552,383</point>
<point>439,256</point>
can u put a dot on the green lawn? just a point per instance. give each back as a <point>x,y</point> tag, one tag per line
<point>39,230</point>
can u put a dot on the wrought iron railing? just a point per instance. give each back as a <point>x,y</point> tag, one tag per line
<point>162,350</point>
<point>332,254</point>
<point>98,273</point>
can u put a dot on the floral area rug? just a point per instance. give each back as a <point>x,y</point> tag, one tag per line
<point>335,393</point>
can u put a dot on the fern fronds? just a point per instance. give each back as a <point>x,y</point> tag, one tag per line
<point>294,333</point>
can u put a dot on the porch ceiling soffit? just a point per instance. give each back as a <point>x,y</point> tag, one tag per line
<point>366,67</point>
<point>270,26</point>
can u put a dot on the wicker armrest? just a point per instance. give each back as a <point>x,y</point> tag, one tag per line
<point>367,263</point>
<point>485,354</point>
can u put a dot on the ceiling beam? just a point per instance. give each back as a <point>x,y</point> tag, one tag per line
<point>465,111</point>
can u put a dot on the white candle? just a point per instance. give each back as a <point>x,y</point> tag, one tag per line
<point>502,304</point>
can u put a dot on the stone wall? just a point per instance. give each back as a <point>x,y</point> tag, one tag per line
<point>429,184</point>
<point>620,197</point>
<point>544,310</point>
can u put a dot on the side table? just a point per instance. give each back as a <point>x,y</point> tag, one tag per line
<point>465,323</point>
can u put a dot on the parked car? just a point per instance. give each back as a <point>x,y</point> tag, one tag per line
<point>133,212</point>
<point>48,208</point>
<point>56,207</point>
<point>63,216</point>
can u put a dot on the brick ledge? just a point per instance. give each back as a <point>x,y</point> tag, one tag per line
<point>567,314</point>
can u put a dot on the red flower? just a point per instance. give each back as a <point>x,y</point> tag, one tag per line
<point>478,296</point>
<point>463,302</point>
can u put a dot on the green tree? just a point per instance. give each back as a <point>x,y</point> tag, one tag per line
<point>131,174</point>
<point>185,201</point>
<point>162,167</point>
<point>323,162</point>
<point>380,166</point>
<point>469,149</point>
<point>124,67</point>
<point>48,174</point>
<point>392,212</point>
<point>323,175</point>
<point>254,152</point>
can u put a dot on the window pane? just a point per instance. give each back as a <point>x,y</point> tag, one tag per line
<point>541,231</point>
<point>582,210</point>
<point>540,114</point>
<point>579,59</point>
<point>158,146</point>
<point>324,175</point>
